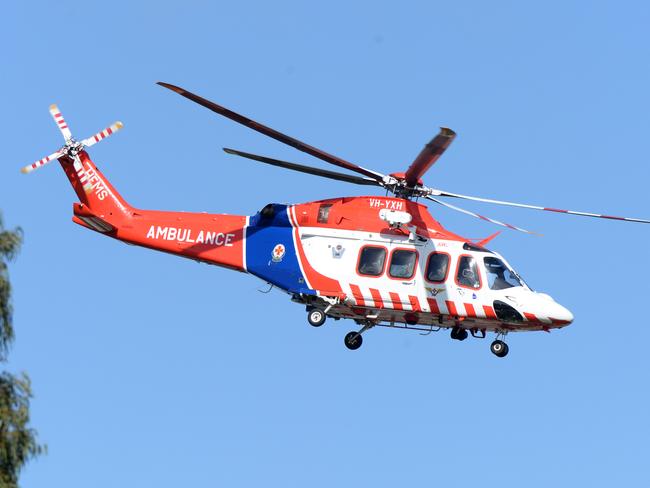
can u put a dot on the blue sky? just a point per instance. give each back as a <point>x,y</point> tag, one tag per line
<point>150,370</point>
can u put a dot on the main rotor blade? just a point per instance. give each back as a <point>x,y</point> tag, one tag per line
<point>358,180</point>
<point>482,217</point>
<point>278,136</point>
<point>429,155</point>
<point>537,207</point>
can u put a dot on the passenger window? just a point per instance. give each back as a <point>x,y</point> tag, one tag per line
<point>402,264</point>
<point>437,267</point>
<point>467,275</point>
<point>371,261</point>
<point>324,213</point>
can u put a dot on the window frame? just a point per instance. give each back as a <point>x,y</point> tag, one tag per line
<point>383,269</point>
<point>426,269</point>
<point>390,260</point>
<point>478,273</point>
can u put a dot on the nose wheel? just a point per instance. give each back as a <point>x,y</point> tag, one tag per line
<point>499,348</point>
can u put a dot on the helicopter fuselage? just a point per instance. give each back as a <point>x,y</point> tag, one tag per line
<point>369,258</point>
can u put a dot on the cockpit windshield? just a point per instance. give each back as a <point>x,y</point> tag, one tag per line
<point>499,275</point>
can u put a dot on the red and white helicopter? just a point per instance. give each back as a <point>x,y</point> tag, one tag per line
<point>378,260</point>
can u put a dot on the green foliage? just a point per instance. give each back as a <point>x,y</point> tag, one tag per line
<point>17,440</point>
<point>9,245</point>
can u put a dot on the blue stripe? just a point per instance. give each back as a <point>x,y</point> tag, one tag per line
<point>263,234</point>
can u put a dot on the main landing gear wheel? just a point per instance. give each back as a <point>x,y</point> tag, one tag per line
<point>499,348</point>
<point>353,340</point>
<point>316,317</point>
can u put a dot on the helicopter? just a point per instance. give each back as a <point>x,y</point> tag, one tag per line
<point>381,261</point>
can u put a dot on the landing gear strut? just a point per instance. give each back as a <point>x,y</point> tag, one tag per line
<point>499,348</point>
<point>353,340</point>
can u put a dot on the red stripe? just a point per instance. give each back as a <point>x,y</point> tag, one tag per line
<point>376,296</point>
<point>555,210</point>
<point>469,308</point>
<point>489,312</point>
<point>531,317</point>
<point>96,138</point>
<point>397,303</point>
<point>611,217</point>
<point>433,305</point>
<point>415,303</point>
<point>109,131</point>
<point>451,306</point>
<point>358,297</point>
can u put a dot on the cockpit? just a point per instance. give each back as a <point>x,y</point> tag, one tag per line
<point>499,275</point>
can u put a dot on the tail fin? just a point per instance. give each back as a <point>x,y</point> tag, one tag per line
<point>92,187</point>
<point>102,208</point>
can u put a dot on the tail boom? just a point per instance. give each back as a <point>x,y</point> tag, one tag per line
<point>217,239</point>
<point>212,238</point>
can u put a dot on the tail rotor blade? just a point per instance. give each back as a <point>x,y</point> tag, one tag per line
<point>102,134</point>
<point>41,162</point>
<point>482,217</point>
<point>60,122</point>
<point>443,193</point>
<point>81,172</point>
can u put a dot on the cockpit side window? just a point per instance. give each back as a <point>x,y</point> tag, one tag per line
<point>371,261</point>
<point>499,275</point>
<point>437,267</point>
<point>402,263</point>
<point>467,274</point>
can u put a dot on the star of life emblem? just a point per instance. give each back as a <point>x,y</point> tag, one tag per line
<point>278,253</point>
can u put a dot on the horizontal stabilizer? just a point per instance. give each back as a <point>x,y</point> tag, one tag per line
<point>91,220</point>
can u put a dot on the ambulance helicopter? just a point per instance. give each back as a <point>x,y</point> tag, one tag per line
<point>378,260</point>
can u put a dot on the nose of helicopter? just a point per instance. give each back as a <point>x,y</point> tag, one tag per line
<point>557,313</point>
<point>561,315</point>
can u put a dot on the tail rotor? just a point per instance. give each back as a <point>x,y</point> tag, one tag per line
<point>71,148</point>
